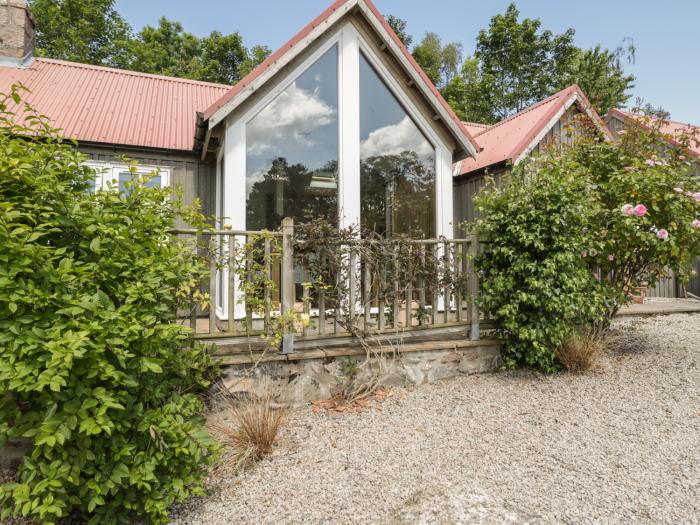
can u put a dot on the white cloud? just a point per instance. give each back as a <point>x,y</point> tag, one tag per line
<point>394,139</point>
<point>289,121</point>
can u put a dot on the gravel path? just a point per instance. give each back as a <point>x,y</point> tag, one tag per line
<point>618,445</point>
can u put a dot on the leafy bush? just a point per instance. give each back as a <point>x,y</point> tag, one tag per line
<point>573,235</point>
<point>534,282</point>
<point>648,218</point>
<point>92,368</point>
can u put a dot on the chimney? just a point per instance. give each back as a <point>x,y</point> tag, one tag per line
<point>17,34</point>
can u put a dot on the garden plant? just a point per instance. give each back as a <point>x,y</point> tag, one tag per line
<point>94,372</point>
<point>572,233</point>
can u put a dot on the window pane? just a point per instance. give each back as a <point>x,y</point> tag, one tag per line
<point>292,151</point>
<point>126,176</point>
<point>397,164</point>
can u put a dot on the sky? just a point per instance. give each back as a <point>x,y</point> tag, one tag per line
<point>666,34</point>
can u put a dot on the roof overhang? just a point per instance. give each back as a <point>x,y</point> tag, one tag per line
<point>315,30</point>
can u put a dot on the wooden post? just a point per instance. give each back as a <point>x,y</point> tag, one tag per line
<point>231,283</point>
<point>195,306</point>
<point>287,278</point>
<point>475,332</point>
<point>212,283</point>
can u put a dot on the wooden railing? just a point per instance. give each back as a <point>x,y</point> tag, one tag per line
<point>344,287</point>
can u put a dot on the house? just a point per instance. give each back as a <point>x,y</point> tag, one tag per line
<point>552,122</point>
<point>340,122</point>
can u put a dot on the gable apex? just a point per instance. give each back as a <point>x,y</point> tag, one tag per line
<point>311,33</point>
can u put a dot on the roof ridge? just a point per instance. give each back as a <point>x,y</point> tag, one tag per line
<point>520,113</point>
<point>629,113</point>
<point>130,72</point>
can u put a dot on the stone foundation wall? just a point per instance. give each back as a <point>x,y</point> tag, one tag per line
<point>305,380</point>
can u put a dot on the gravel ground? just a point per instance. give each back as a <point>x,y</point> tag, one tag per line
<point>617,445</point>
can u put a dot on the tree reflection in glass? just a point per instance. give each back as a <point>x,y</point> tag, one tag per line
<point>292,151</point>
<point>397,164</point>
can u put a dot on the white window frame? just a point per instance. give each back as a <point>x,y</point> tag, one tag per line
<point>350,44</point>
<point>108,172</point>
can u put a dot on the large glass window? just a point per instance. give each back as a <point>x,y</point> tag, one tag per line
<point>292,151</point>
<point>397,164</point>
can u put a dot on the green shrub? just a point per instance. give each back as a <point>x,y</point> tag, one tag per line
<point>92,368</point>
<point>648,219</point>
<point>534,281</point>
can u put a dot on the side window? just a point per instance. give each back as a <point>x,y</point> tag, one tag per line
<point>118,175</point>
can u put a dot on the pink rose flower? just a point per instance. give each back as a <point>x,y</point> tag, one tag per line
<point>696,224</point>
<point>627,209</point>
<point>640,210</point>
<point>611,258</point>
<point>696,196</point>
<point>678,190</point>
<point>662,234</point>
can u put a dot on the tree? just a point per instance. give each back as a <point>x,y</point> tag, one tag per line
<point>399,27</point>
<point>166,50</point>
<point>520,63</point>
<point>440,62</point>
<point>599,73</point>
<point>469,94</point>
<point>255,56</point>
<point>93,32</point>
<point>87,31</point>
<point>516,64</point>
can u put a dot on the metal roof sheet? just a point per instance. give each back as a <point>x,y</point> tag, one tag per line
<point>671,128</point>
<point>508,139</point>
<point>114,106</point>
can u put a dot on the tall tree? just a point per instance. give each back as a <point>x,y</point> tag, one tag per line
<point>601,75</point>
<point>87,31</point>
<point>256,54</point>
<point>521,63</point>
<point>169,50</point>
<point>93,32</point>
<point>516,64</point>
<point>440,62</point>
<point>399,27</point>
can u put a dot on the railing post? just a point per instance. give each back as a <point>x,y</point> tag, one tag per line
<point>475,332</point>
<point>287,285</point>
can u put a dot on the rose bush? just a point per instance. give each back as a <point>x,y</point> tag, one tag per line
<point>648,203</point>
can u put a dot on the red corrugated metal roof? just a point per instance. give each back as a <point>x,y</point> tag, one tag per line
<point>670,127</point>
<point>301,35</point>
<point>114,106</point>
<point>511,137</point>
<point>476,128</point>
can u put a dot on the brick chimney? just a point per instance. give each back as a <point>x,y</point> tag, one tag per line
<point>17,34</point>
